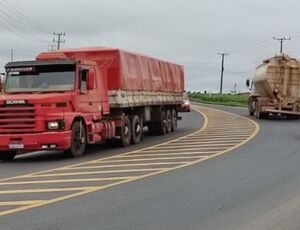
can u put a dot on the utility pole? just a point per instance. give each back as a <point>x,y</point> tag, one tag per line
<point>222,70</point>
<point>281,41</point>
<point>11,55</point>
<point>59,40</point>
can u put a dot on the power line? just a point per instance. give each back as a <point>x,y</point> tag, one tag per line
<point>282,39</point>
<point>59,40</point>
<point>17,26</point>
<point>23,17</point>
<point>222,70</point>
<point>250,47</point>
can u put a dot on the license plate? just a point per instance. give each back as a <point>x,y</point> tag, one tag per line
<point>16,146</point>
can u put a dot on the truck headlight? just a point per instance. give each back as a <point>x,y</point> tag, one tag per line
<point>54,125</point>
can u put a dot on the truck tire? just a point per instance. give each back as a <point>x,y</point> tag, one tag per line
<point>162,124</point>
<point>125,132</point>
<point>136,129</point>
<point>168,121</point>
<point>78,140</point>
<point>251,110</point>
<point>260,115</point>
<point>174,120</point>
<point>7,156</point>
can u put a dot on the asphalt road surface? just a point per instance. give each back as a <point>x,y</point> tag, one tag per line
<point>255,186</point>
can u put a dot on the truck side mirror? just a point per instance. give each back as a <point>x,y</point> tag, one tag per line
<point>91,79</point>
<point>248,83</point>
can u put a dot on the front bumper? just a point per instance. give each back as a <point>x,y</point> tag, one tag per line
<point>36,141</point>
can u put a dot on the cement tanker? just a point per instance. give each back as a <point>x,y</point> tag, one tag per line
<point>275,88</point>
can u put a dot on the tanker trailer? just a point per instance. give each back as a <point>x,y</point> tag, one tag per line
<point>275,88</point>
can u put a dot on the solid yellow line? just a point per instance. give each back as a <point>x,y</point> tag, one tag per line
<point>94,172</point>
<point>206,135</point>
<point>194,145</point>
<point>23,202</point>
<point>226,132</point>
<point>167,154</point>
<point>198,143</point>
<point>64,181</point>
<point>21,191</point>
<point>184,149</point>
<point>128,165</point>
<point>151,159</point>
<point>210,139</point>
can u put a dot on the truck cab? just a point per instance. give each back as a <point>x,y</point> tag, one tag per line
<point>48,105</point>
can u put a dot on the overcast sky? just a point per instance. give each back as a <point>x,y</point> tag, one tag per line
<point>189,32</point>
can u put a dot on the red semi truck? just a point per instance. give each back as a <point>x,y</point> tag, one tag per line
<point>69,98</point>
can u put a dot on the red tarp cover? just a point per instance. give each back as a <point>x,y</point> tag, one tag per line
<point>126,70</point>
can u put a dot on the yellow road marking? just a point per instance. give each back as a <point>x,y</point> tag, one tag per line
<point>39,204</point>
<point>200,154</point>
<point>95,172</point>
<point>151,159</point>
<point>128,165</point>
<point>195,145</point>
<point>65,181</point>
<point>18,191</point>
<point>23,202</point>
<point>199,135</point>
<point>184,149</point>
<point>209,140</point>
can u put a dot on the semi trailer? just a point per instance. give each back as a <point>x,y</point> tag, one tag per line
<point>66,99</point>
<point>275,88</point>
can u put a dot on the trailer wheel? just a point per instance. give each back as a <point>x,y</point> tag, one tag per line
<point>137,129</point>
<point>258,114</point>
<point>174,120</point>
<point>251,106</point>
<point>125,132</point>
<point>168,121</point>
<point>7,156</point>
<point>162,124</point>
<point>78,140</point>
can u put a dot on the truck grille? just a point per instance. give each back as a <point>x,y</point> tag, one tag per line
<point>17,119</point>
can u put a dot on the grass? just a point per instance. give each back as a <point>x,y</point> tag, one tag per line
<point>240,100</point>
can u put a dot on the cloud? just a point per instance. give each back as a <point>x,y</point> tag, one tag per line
<point>176,30</point>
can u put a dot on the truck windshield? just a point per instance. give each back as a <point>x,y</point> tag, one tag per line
<point>40,78</point>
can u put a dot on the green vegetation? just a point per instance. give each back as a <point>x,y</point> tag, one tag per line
<point>220,99</point>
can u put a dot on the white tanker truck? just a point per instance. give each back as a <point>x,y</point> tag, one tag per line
<point>275,88</point>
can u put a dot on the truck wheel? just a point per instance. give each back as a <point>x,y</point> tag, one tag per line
<point>137,129</point>
<point>78,140</point>
<point>260,115</point>
<point>125,132</point>
<point>250,106</point>
<point>168,121</point>
<point>162,124</point>
<point>7,156</point>
<point>174,120</point>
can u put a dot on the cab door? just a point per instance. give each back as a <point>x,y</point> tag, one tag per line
<point>90,97</point>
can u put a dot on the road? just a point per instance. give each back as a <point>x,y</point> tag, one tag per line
<point>254,186</point>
